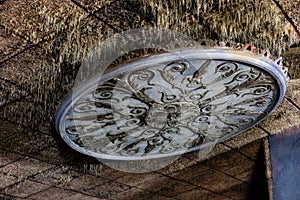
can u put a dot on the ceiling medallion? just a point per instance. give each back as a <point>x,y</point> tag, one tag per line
<point>169,104</point>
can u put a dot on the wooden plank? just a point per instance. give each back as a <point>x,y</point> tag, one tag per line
<point>285,164</point>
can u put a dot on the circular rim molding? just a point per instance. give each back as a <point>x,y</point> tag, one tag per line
<point>169,104</point>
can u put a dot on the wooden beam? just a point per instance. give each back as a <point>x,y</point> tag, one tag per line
<point>285,163</point>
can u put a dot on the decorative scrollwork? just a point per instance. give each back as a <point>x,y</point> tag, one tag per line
<point>170,108</point>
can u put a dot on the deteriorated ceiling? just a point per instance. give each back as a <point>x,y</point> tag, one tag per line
<point>41,45</point>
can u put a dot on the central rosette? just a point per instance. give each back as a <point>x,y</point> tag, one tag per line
<point>172,114</point>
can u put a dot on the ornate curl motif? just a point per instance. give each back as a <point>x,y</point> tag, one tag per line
<point>163,109</point>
